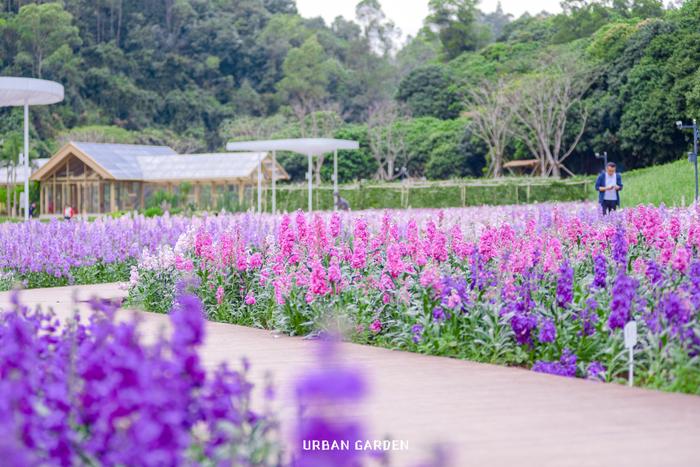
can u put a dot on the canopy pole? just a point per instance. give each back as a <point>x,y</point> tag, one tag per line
<point>259,184</point>
<point>26,159</point>
<point>274,180</point>
<point>309,175</point>
<point>335,180</point>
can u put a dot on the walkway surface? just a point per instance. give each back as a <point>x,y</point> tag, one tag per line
<point>487,415</point>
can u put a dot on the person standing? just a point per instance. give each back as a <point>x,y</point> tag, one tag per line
<point>608,185</point>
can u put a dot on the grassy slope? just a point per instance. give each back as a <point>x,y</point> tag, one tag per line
<point>672,184</point>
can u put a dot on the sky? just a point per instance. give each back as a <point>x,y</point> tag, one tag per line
<point>409,14</point>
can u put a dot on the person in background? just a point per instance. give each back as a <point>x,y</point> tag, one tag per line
<point>68,212</point>
<point>341,203</point>
<point>32,210</point>
<point>608,185</point>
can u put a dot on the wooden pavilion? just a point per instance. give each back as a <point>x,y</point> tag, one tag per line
<point>96,178</point>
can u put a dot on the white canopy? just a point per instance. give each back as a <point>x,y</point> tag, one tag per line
<point>313,146</point>
<point>309,146</point>
<point>23,92</point>
<point>15,92</point>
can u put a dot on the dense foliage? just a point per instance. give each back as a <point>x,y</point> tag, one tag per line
<point>547,287</point>
<point>193,74</point>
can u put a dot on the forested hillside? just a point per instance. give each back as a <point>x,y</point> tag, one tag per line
<point>196,73</point>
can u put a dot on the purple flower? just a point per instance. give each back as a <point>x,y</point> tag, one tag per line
<point>438,314</point>
<point>694,277</point>
<point>95,391</point>
<point>623,294</point>
<point>454,293</point>
<point>675,310</point>
<point>619,246</point>
<point>595,371</point>
<point>566,366</point>
<point>548,332</point>
<point>600,270</point>
<point>417,330</point>
<point>588,317</point>
<point>323,394</point>
<point>565,285</point>
<point>522,325</point>
<point>653,272</point>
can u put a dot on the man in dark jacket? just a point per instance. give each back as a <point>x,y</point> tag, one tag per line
<point>608,185</point>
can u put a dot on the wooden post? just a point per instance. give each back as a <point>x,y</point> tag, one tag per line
<point>42,189</point>
<point>100,197</point>
<point>197,189</point>
<point>214,197</point>
<point>241,192</point>
<point>142,201</point>
<point>112,197</point>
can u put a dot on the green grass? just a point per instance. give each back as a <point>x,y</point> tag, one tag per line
<point>672,184</point>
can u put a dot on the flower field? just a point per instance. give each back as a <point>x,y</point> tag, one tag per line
<point>547,287</point>
<point>39,254</point>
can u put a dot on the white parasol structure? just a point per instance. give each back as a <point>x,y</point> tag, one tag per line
<point>23,92</point>
<point>309,146</point>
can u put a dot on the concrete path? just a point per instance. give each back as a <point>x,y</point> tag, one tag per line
<point>487,415</point>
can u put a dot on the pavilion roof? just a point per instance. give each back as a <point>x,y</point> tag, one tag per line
<point>161,163</point>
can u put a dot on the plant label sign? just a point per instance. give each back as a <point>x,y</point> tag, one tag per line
<point>630,334</point>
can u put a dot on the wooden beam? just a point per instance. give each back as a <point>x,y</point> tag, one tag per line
<point>112,197</point>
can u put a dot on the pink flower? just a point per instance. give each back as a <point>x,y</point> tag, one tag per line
<point>255,261</point>
<point>376,326</point>
<point>336,225</point>
<point>319,285</point>
<point>250,298</point>
<point>220,295</point>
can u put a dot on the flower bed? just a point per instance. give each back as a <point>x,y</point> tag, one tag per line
<point>39,254</point>
<point>547,287</point>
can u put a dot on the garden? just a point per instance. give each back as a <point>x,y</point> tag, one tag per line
<point>545,287</point>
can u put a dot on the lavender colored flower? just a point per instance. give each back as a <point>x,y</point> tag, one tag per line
<point>600,271</point>
<point>566,366</point>
<point>595,371</point>
<point>417,330</point>
<point>588,317</point>
<point>95,391</point>
<point>623,294</point>
<point>522,325</point>
<point>565,285</point>
<point>325,397</point>
<point>454,293</point>
<point>548,332</point>
<point>653,272</point>
<point>694,289</point>
<point>439,314</point>
<point>675,310</point>
<point>619,246</point>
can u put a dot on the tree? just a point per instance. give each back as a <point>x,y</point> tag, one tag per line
<point>428,92</point>
<point>454,22</point>
<point>306,78</point>
<point>387,139</point>
<point>497,20</point>
<point>380,33</point>
<point>545,104</point>
<point>42,30</point>
<point>491,120</point>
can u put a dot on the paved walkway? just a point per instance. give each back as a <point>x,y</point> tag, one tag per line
<point>488,415</point>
